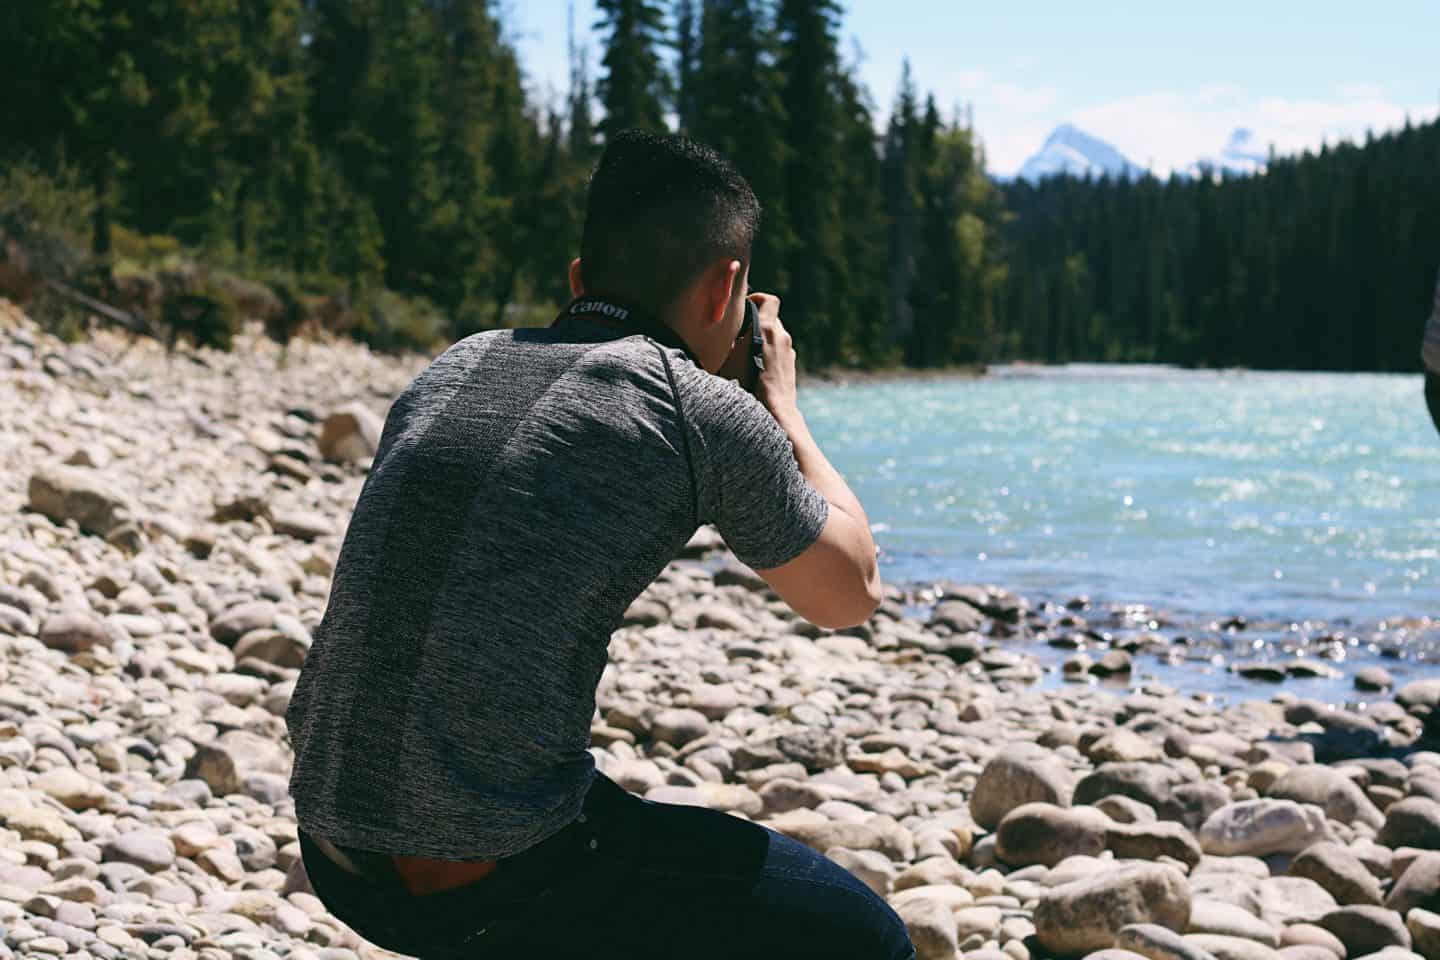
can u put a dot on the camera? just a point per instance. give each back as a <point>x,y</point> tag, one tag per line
<point>757,337</point>
<point>754,339</point>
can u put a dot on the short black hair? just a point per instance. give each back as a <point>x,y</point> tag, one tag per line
<point>661,209</point>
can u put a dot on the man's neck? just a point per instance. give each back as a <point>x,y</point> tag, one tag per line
<point>618,314</point>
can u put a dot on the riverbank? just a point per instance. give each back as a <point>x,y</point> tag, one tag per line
<point>845,376</point>
<point>167,530</point>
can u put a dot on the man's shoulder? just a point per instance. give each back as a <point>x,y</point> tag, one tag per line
<point>695,381</point>
<point>730,420</point>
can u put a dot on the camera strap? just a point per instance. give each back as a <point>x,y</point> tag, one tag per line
<point>624,318</point>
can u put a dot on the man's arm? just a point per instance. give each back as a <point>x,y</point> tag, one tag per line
<point>836,582</point>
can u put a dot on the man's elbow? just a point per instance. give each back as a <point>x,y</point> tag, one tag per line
<point>874,592</point>
<point>852,608</point>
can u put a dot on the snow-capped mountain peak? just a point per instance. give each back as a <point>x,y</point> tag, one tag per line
<point>1070,151</point>
<point>1244,143</point>
<point>1244,154</point>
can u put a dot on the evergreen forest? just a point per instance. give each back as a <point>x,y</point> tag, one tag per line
<point>386,169</point>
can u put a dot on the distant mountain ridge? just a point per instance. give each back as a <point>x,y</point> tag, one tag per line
<point>1072,152</point>
<point>1244,154</point>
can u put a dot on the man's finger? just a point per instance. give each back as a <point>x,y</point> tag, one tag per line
<point>771,328</point>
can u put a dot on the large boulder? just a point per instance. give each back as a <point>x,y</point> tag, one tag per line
<point>817,749</point>
<point>150,850</point>
<point>225,762</point>
<point>820,833</point>
<point>1366,930</point>
<point>957,615</point>
<point>871,867</point>
<point>1339,871</point>
<point>241,619</point>
<point>1046,834</point>
<point>1085,915</point>
<point>74,632</point>
<point>1153,784</point>
<point>72,789</point>
<point>1328,788</point>
<point>1198,800</point>
<point>74,493</point>
<point>350,433</point>
<point>1012,780</point>
<point>1262,827</point>
<point>931,926</point>
<point>1412,822</point>
<point>1124,746</point>
<point>678,726</point>
<point>1151,841</point>
<point>273,647</point>
<point>1418,887</point>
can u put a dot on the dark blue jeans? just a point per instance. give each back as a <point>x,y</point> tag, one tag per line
<point>630,878</point>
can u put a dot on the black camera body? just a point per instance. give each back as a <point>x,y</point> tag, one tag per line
<point>757,338</point>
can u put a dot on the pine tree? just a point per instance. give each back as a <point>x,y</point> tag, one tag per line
<point>385,79</point>
<point>902,206</point>
<point>89,113</point>
<point>579,98</point>
<point>737,110</point>
<point>460,247</point>
<point>687,56</point>
<point>860,295</point>
<point>635,87</point>
<point>254,139</point>
<point>809,68</point>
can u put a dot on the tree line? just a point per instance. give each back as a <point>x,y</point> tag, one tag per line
<point>380,165</point>
<point>1325,262</point>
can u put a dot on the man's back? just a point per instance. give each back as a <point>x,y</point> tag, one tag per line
<point>527,487</point>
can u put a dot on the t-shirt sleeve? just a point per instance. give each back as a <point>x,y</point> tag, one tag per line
<point>747,481</point>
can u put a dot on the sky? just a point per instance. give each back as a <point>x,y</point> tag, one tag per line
<point>1166,82</point>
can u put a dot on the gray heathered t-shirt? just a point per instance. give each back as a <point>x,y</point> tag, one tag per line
<point>528,486</point>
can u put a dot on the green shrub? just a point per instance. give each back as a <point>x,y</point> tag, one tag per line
<point>42,223</point>
<point>201,311</point>
<point>58,200</point>
<point>144,249</point>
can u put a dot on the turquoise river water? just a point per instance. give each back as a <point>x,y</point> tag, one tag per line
<point>1282,497</point>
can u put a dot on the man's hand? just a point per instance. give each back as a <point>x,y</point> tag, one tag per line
<point>775,386</point>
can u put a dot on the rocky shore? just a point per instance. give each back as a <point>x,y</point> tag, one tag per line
<point>167,529</point>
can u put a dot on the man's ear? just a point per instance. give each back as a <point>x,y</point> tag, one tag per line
<point>719,289</point>
<point>577,282</point>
